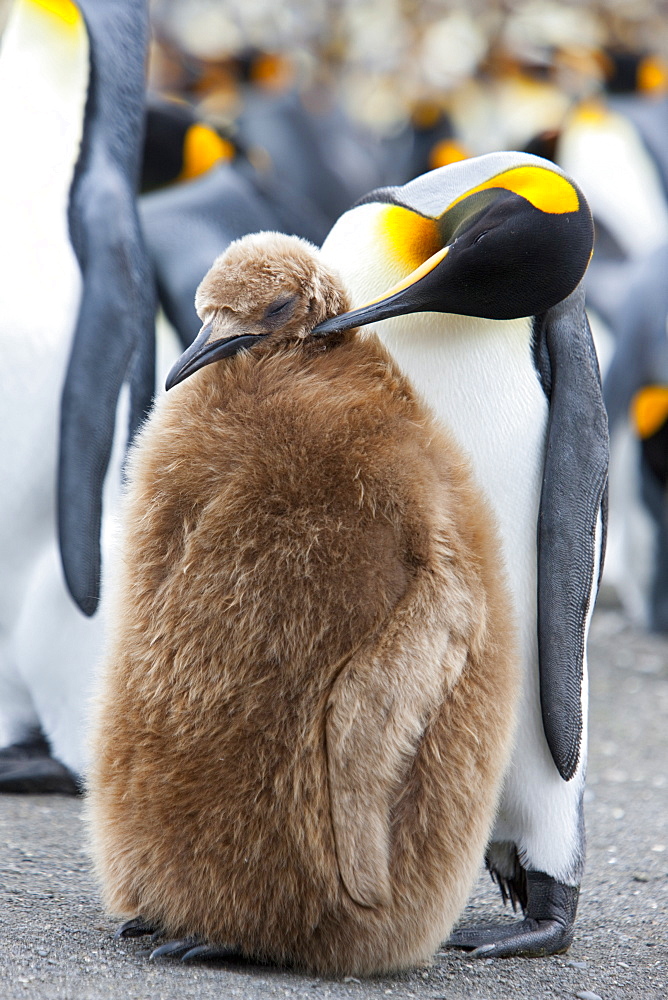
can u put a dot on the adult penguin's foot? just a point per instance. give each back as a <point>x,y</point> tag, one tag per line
<point>547,928</point>
<point>27,767</point>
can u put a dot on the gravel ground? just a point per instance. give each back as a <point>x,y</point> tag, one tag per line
<point>55,940</point>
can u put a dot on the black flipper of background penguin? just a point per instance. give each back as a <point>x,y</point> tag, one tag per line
<point>573,496</point>
<point>114,337</point>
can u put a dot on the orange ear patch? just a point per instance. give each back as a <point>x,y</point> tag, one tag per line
<point>202,149</point>
<point>649,409</point>
<point>410,238</point>
<point>653,76</point>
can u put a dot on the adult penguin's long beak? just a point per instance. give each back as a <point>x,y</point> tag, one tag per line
<point>404,297</point>
<point>513,243</point>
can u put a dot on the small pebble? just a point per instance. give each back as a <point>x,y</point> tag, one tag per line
<point>577,965</point>
<point>640,877</point>
<point>351,979</point>
<point>587,995</point>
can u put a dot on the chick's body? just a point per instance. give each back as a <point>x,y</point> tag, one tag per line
<point>308,700</point>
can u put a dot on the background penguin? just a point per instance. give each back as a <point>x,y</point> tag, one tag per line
<point>76,323</point>
<point>639,365</point>
<point>650,422</point>
<point>178,144</point>
<point>499,244</point>
<point>607,147</point>
<point>603,151</point>
<point>308,700</point>
<point>316,148</point>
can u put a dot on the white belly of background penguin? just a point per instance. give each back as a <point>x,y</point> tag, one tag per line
<point>42,285</point>
<point>74,276</point>
<point>474,270</point>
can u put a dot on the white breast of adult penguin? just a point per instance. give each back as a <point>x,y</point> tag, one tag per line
<point>479,378</point>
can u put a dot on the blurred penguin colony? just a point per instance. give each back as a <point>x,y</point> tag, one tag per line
<point>279,116</point>
<point>315,103</point>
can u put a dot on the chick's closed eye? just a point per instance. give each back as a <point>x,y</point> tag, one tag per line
<point>281,309</point>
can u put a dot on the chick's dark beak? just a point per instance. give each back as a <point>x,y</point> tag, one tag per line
<point>203,352</point>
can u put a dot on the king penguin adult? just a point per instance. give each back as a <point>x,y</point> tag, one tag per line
<point>76,323</point>
<point>475,271</point>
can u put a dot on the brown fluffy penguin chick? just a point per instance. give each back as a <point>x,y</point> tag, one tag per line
<point>308,701</point>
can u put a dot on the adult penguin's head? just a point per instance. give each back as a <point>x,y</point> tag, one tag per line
<point>499,236</point>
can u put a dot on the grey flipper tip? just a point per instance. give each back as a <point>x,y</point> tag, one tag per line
<point>88,605</point>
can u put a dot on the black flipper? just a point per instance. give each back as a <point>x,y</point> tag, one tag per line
<point>572,500</point>
<point>546,930</point>
<point>114,337</point>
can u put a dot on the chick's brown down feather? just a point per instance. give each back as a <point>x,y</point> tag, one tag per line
<point>308,700</point>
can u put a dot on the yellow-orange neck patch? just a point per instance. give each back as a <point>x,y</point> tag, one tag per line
<point>545,189</point>
<point>410,238</point>
<point>649,409</point>
<point>65,10</point>
<point>591,113</point>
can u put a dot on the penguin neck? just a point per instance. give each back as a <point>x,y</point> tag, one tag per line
<point>477,374</point>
